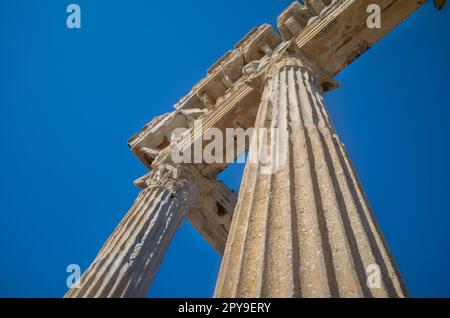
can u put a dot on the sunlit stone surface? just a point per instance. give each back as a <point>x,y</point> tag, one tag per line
<point>306,230</point>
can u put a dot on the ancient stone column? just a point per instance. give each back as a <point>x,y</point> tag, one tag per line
<point>128,262</point>
<point>306,230</point>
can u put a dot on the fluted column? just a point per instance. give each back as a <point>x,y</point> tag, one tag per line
<point>127,263</point>
<point>306,230</point>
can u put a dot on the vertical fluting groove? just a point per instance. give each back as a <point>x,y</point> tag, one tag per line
<point>141,199</point>
<point>151,267</point>
<point>99,274</point>
<point>273,87</point>
<point>102,256</point>
<point>269,123</point>
<point>360,243</point>
<point>325,239</point>
<point>102,286</point>
<point>314,274</point>
<point>97,271</point>
<point>292,177</point>
<point>123,223</point>
<point>320,234</point>
<point>368,247</point>
<point>128,283</point>
<point>227,284</point>
<point>380,260</point>
<point>251,261</point>
<point>351,283</point>
<point>344,267</point>
<point>250,273</point>
<point>321,125</point>
<point>118,236</point>
<point>279,263</point>
<point>143,264</point>
<point>391,276</point>
<point>363,245</point>
<point>127,263</point>
<point>260,277</point>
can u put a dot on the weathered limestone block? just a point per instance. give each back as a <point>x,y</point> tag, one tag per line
<point>128,262</point>
<point>339,35</point>
<point>317,6</point>
<point>295,18</point>
<point>157,134</point>
<point>306,230</point>
<point>211,215</point>
<point>227,71</point>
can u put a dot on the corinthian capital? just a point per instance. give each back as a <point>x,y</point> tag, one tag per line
<point>180,180</point>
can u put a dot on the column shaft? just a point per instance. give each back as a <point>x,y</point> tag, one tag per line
<point>307,229</point>
<point>129,260</point>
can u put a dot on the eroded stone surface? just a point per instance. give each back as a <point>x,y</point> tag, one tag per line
<point>306,230</point>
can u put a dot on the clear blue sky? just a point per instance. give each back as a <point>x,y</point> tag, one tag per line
<point>70,99</point>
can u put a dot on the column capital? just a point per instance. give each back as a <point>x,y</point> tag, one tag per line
<point>288,54</point>
<point>182,181</point>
